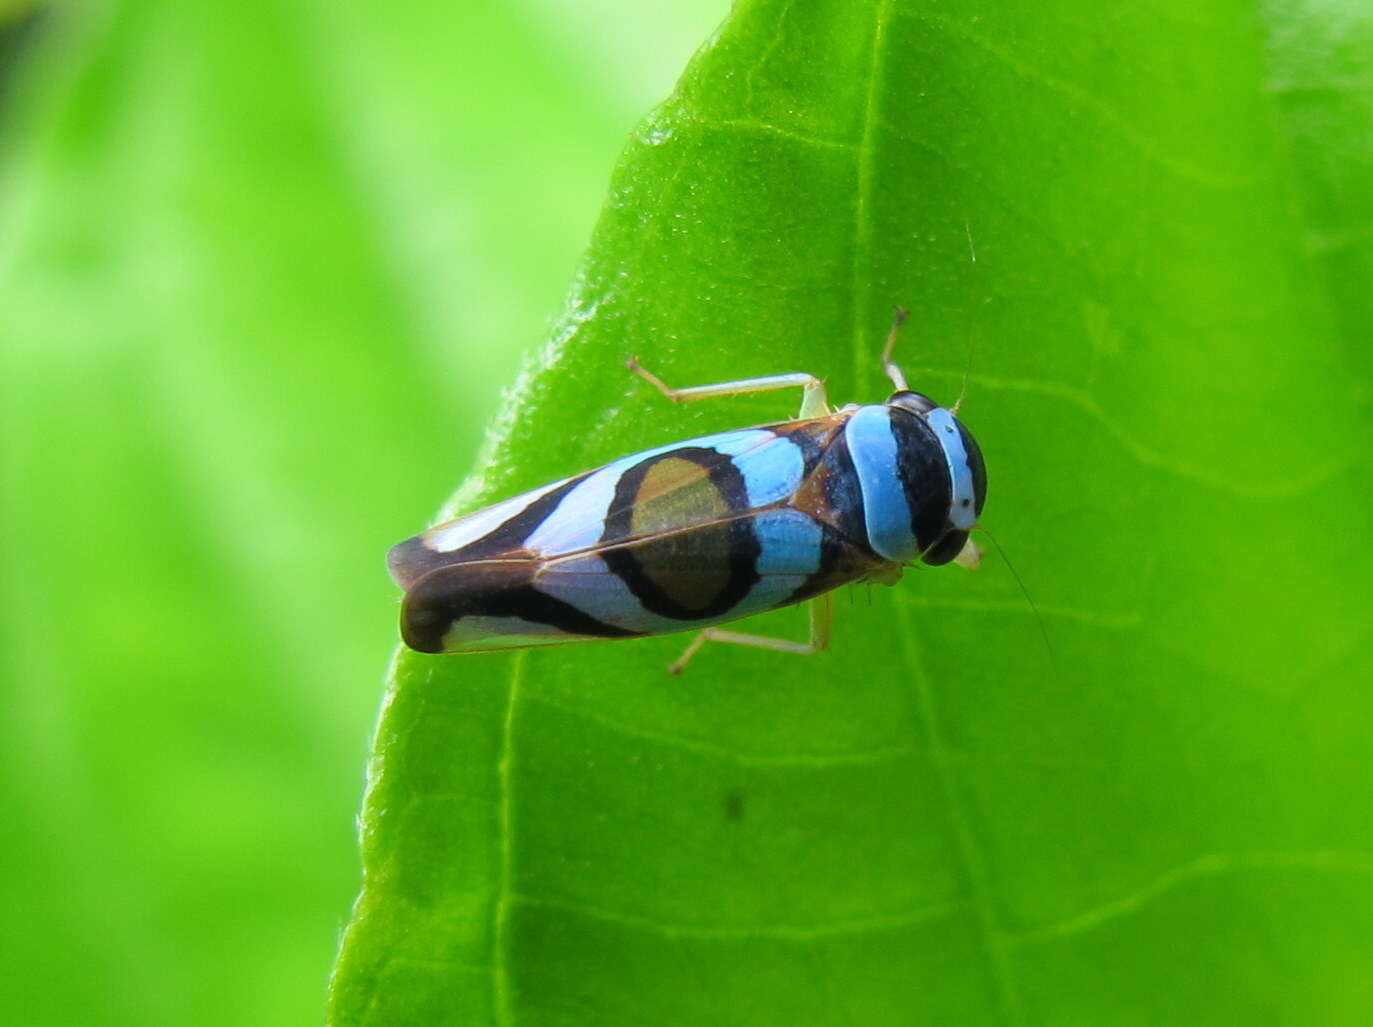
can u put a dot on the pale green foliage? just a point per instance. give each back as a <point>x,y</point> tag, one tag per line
<point>264,268</point>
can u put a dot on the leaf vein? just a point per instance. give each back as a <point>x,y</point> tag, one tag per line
<point>811,761</point>
<point>973,863</point>
<point>749,932</point>
<point>500,970</point>
<point>1210,865</point>
<point>1109,118</point>
<point>1317,474</point>
<point>862,228</point>
<point>754,125</point>
<point>1093,618</point>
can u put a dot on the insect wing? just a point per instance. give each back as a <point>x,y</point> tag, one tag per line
<point>705,574</point>
<point>677,537</point>
<point>700,481</point>
<point>457,540</point>
<point>491,604</point>
<point>666,488</point>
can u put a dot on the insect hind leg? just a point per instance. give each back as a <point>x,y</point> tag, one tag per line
<point>821,610</point>
<point>814,401</point>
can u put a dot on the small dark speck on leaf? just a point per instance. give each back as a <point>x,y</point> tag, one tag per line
<point>734,805</point>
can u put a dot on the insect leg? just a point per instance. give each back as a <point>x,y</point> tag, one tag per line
<point>821,610</point>
<point>814,402</point>
<point>889,366</point>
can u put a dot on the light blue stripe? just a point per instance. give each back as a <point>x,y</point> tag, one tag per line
<point>790,553</point>
<point>771,466</point>
<point>463,531</point>
<point>790,544</point>
<point>592,587</point>
<point>886,514</point>
<point>962,514</point>
<point>579,519</point>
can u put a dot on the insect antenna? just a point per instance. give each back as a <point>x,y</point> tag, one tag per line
<point>967,370</point>
<point>897,376</point>
<point>1043,631</point>
<point>972,340</point>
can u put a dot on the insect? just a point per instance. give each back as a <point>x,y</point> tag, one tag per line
<point>697,533</point>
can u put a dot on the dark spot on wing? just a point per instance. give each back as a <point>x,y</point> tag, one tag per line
<point>691,575</point>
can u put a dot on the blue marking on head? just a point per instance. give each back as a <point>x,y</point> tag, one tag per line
<point>963,505</point>
<point>886,514</point>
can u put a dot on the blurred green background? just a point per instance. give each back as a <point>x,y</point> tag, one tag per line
<point>264,269</point>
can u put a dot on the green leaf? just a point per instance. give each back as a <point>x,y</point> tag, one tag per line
<point>1148,234</point>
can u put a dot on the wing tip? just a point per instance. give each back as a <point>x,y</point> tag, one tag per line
<point>411,560</point>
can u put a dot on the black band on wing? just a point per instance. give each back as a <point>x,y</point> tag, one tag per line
<point>829,573</point>
<point>511,535</point>
<point>530,604</point>
<point>412,559</point>
<point>493,589</point>
<point>845,553</point>
<point>803,438</point>
<point>741,550</point>
<point>843,493</point>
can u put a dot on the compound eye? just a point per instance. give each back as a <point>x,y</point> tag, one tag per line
<point>916,402</point>
<point>976,465</point>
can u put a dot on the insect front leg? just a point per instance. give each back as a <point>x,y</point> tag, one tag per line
<point>814,402</point>
<point>821,610</point>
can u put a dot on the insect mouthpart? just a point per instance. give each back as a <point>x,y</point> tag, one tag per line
<point>949,546</point>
